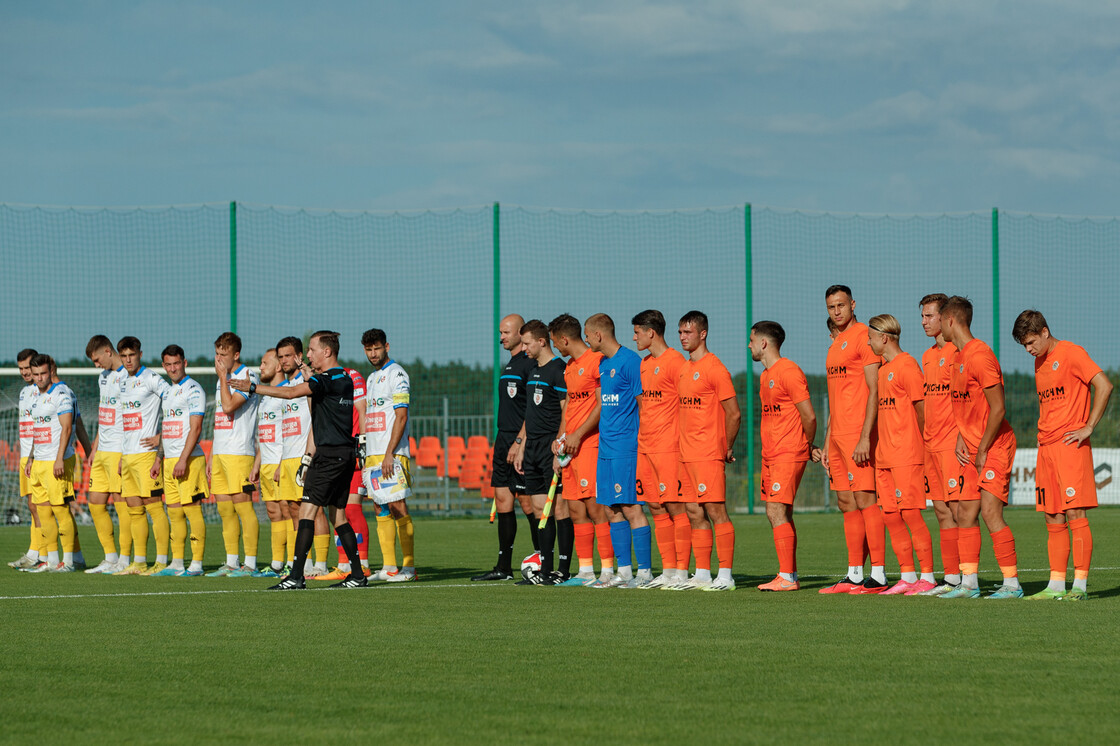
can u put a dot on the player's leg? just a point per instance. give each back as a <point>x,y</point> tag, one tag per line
<point>176,518</point>
<point>565,540</point>
<point>526,502</point>
<point>723,533</point>
<point>890,504</point>
<point>97,498</point>
<point>700,531</point>
<point>651,489</point>
<point>942,484</point>
<point>250,530</point>
<point>840,476</point>
<point>347,538</point>
<point>191,494</point>
<point>507,532</point>
<point>994,492</point>
<point>402,520</point>
<point>779,488</point>
<point>222,487</point>
<point>968,536</point>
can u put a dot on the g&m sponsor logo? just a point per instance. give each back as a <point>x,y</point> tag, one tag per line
<point>691,401</point>
<point>653,395</point>
<point>886,401</point>
<point>935,388</point>
<point>772,409</point>
<point>960,395</point>
<point>610,398</point>
<point>579,395</point>
<point>837,370</point>
<point>1056,392</point>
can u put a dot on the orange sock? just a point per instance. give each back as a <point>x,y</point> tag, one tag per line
<point>876,535</point>
<point>682,530</point>
<point>785,542</point>
<point>950,551</point>
<point>1057,549</point>
<point>724,534</point>
<point>923,542</point>
<point>603,539</point>
<point>585,543</point>
<point>1082,547</point>
<point>1003,543</point>
<point>666,540</point>
<point>854,536</point>
<point>900,541</point>
<point>702,548</point>
<point>968,543</point>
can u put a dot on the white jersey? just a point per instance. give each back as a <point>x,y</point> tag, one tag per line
<point>181,401</point>
<point>270,432</point>
<point>386,392</point>
<point>297,421</point>
<point>236,434</point>
<point>141,407</point>
<point>109,430</point>
<point>26,425</point>
<point>46,408</point>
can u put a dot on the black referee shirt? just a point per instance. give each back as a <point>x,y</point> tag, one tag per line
<point>332,408</point>
<point>545,391</point>
<point>511,394</point>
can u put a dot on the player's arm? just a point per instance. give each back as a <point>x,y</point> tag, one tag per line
<point>732,418</point>
<point>573,439</point>
<point>997,410</point>
<point>560,432</point>
<point>228,401</point>
<point>862,453</point>
<point>1102,390</point>
<point>820,453</point>
<point>66,422</point>
<point>808,420</point>
<point>93,446</point>
<point>920,411</point>
<point>255,472</point>
<point>400,420</point>
<point>83,436</point>
<point>278,392</point>
<point>193,434</point>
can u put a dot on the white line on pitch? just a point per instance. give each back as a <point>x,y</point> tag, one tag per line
<point>394,586</point>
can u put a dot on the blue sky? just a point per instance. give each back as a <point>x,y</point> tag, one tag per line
<point>868,105</point>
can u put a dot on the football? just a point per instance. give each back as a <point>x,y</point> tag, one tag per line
<point>531,565</point>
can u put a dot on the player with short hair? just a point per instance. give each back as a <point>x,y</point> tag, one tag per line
<point>33,558</point>
<point>587,518</point>
<point>1065,484</point>
<point>184,463</point>
<point>296,443</point>
<point>266,466</point>
<point>388,466</point>
<point>709,424</point>
<point>900,456</point>
<point>232,454</point>
<point>544,416</point>
<point>507,482</point>
<point>788,426</point>
<point>848,454</point>
<point>328,478</point>
<point>660,476</point>
<point>986,450</point>
<point>943,473</point>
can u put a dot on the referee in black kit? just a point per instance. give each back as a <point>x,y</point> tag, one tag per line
<point>327,481</point>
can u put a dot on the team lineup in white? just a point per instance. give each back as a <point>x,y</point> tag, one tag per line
<point>594,449</point>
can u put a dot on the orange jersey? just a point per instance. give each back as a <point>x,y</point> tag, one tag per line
<point>780,388</point>
<point>900,441</point>
<point>658,430</point>
<point>975,368</point>
<point>581,376</point>
<point>941,428</point>
<point>701,386</point>
<point>1062,378</point>
<point>848,355</point>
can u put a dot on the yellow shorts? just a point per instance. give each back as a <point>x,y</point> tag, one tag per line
<point>104,474</point>
<point>46,487</point>
<point>136,476</point>
<point>193,484</point>
<point>288,489</point>
<point>270,490</point>
<point>383,493</point>
<point>229,474</point>
<point>24,480</point>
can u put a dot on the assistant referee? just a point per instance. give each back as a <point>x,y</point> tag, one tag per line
<point>326,483</point>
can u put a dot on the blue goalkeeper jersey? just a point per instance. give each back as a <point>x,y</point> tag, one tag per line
<point>620,382</point>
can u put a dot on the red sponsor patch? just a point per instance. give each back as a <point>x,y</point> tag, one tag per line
<point>267,433</point>
<point>222,421</point>
<point>292,427</point>
<point>133,421</point>
<point>375,422</point>
<point>106,416</point>
<point>172,430</point>
<point>42,436</point>
<point>26,429</point>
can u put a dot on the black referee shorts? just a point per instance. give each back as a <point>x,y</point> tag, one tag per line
<point>537,465</point>
<point>327,482</point>
<point>502,474</point>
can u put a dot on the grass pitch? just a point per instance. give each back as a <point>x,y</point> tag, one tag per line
<point>95,659</point>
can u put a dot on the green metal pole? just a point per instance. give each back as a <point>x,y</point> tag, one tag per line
<point>497,270</point>
<point>233,267</point>
<point>995,281</point>
<point>750,363</point>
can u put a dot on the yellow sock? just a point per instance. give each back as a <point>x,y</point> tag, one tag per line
<point>41,537</point>
<point>104,525</point>
<point>49,529</point>
<point>250,528</point>
<point>35,533</point>
<point>160,527</point>
<point>193,513</point>
<point>139,525</point>
<point>291,541</point>
<point>66,527</point>
<point>387,538</point>
<point>231,530</point>
<point>124,526</point>
<point>280,541</point>
<point>404,531</point>
<point>178,520</point>
<point>322,546</point>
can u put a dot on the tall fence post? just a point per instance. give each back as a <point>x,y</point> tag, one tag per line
<point>233,267</point>
<point>446,428</point>
<point>750,363</point>
<point>497,272</point>
<point>995,282</point>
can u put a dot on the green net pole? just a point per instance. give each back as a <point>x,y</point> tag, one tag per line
<point>497,271</point>
<point>995,281</point>
<point>750,363</point>
<point>233,267</point>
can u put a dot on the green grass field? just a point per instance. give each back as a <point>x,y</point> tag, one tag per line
<point>95,659</point>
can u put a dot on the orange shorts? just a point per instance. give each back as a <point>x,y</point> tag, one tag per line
<point>1064,478</point>
<point>706,482</point>
<point>661,478</point>
<point>844,475</point>
<point>579,475</point>
<point>901,488</point>
<point>780,481</point>
<point>942,476</point>
<point>995,477</point>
